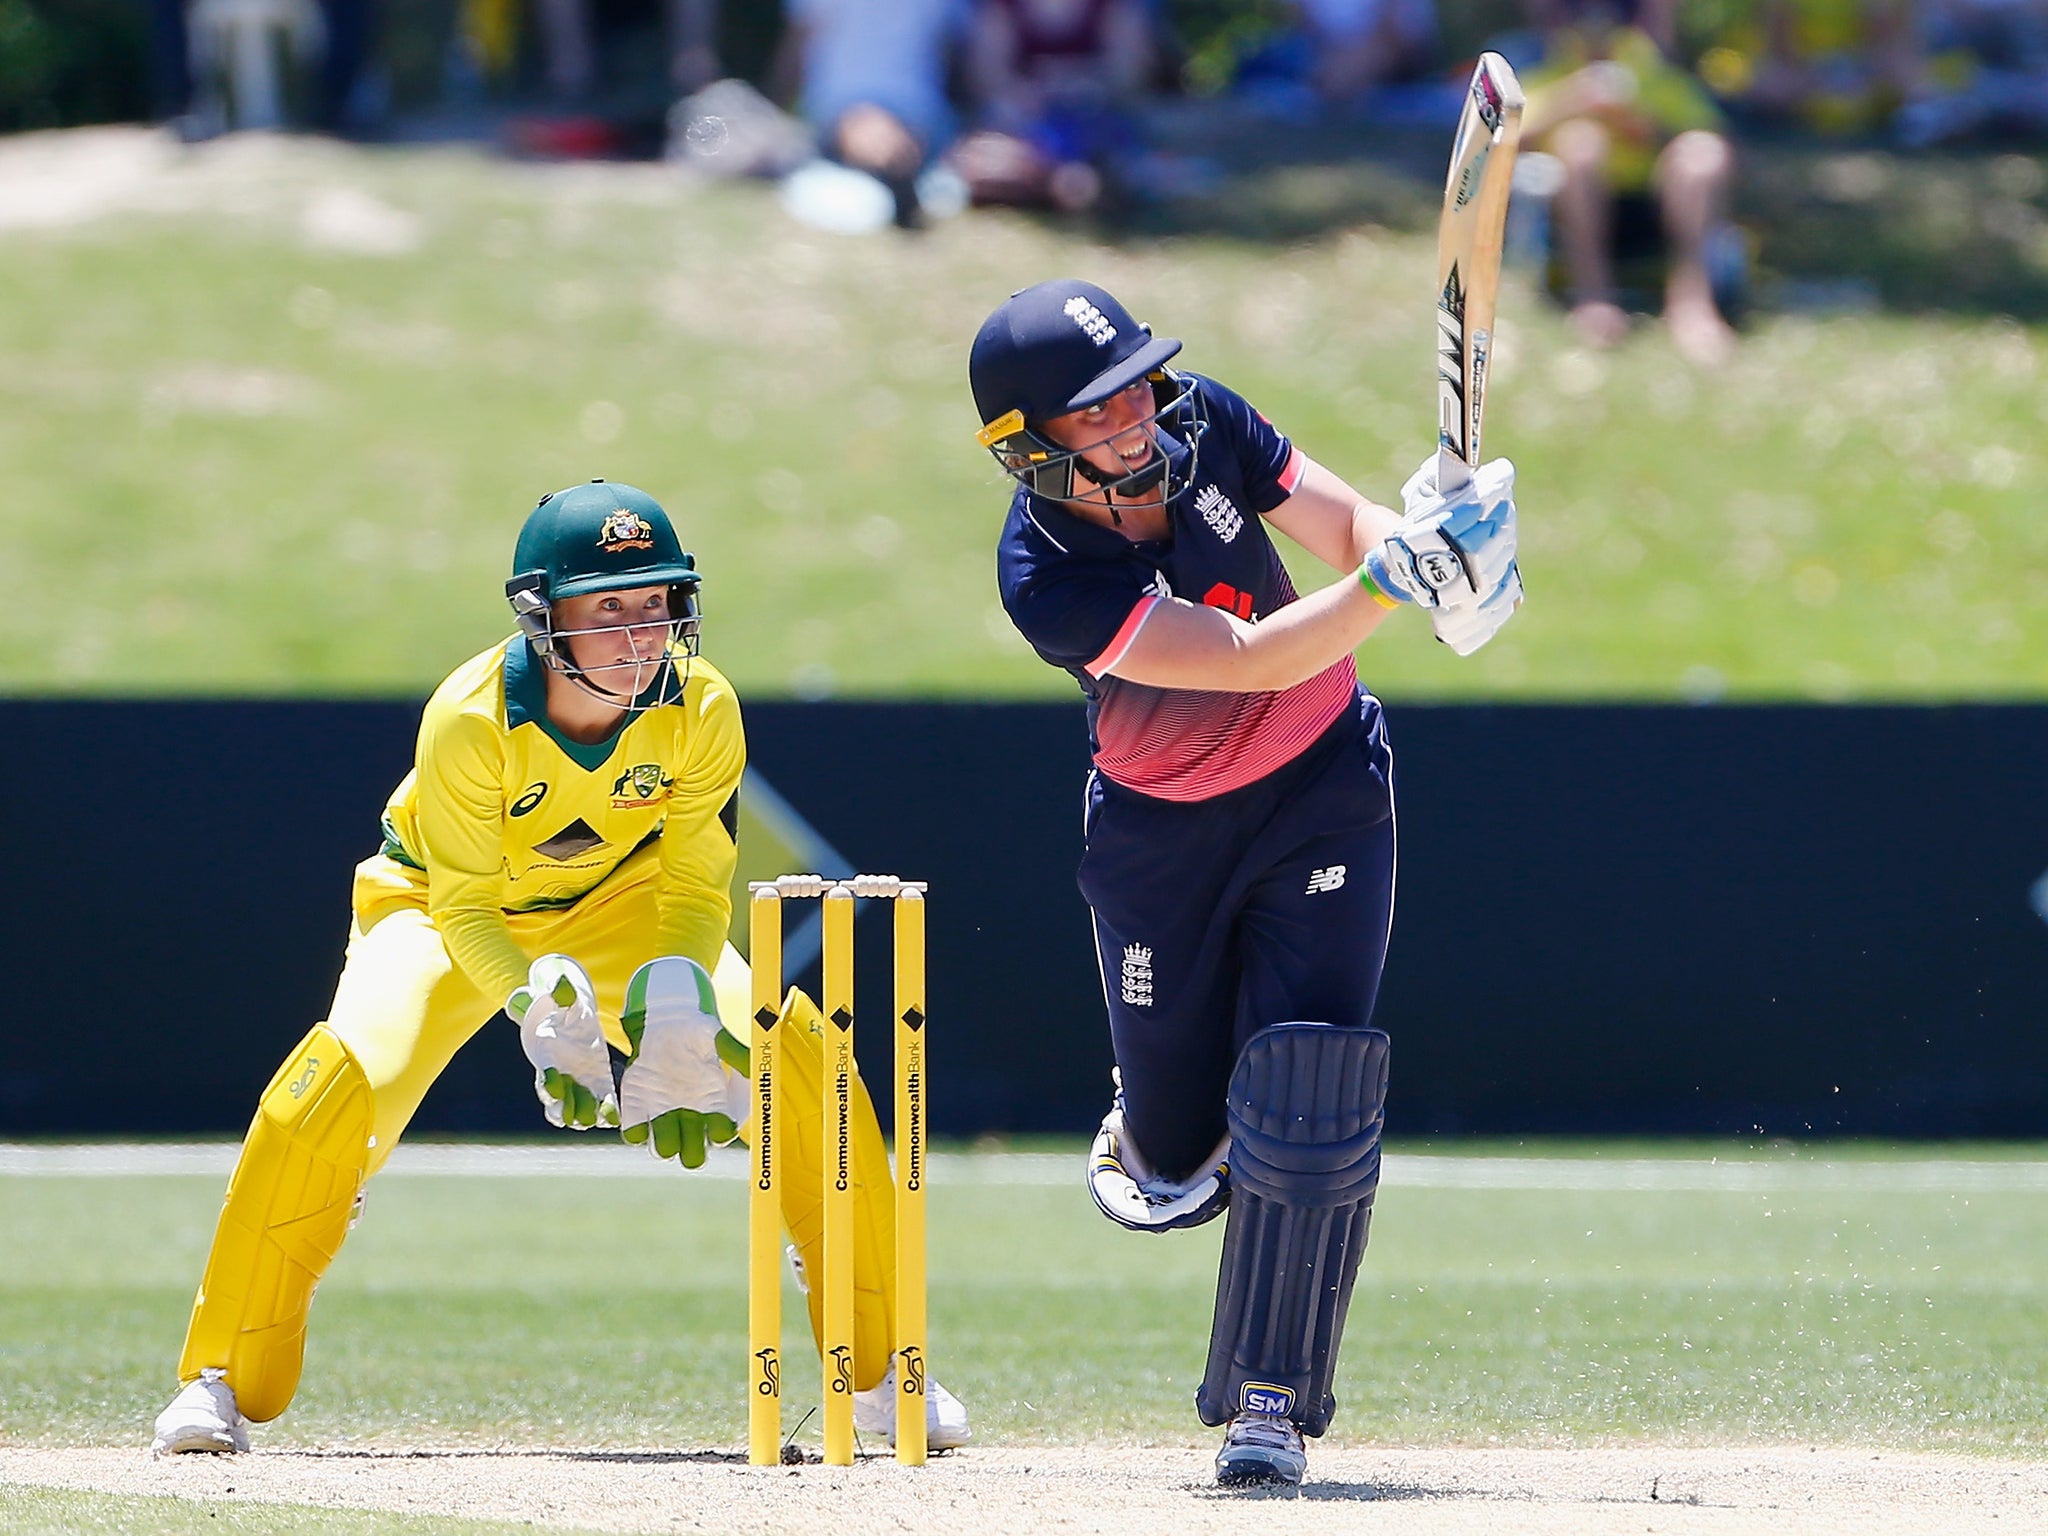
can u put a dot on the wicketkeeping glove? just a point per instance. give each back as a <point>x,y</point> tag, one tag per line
<point>684,1083</point>
<point>556,1012</point>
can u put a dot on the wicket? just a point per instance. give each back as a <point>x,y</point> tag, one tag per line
<point>764,1212</point>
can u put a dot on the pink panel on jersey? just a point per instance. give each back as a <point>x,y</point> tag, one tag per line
<point>1187,744</point>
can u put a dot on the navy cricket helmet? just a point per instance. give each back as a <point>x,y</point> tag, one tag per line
<point>1062,346</point>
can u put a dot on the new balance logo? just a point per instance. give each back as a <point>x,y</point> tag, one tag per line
<point>1137,976</point>
<point>1091,320</point>
<point>1321,880</point>
<point>1219,512</point>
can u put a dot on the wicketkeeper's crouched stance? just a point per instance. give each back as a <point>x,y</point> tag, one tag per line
<point>1240,832</point>
<point>563,849</point>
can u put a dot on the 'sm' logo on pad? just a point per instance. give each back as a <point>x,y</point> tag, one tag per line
<point>1264,1397</point>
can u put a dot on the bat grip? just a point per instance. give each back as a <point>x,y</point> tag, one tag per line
<point>1453,474</point>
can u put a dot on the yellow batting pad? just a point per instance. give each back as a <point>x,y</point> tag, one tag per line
<point>801,1111</point>
<point>286,1213</point>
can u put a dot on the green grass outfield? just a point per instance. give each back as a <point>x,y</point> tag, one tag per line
<point>1532,1294</point>
<point>270,412</point>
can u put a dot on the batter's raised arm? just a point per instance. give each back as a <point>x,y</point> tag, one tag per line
<point>1330,520</point>
<point>1183,645</point>
<point>1446,557</point>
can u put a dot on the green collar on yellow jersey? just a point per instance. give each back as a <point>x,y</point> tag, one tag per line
<point>526,703</point>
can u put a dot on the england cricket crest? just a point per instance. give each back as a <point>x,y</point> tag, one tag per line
<point>1468,251</point>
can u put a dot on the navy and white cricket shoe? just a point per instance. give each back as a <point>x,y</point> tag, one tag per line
<point>1261,1450</point>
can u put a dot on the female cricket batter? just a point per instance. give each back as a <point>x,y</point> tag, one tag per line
<point>1240,835</point>
<point>563,849</point>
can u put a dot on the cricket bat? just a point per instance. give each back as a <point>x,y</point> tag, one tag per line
<point>1468,243</point>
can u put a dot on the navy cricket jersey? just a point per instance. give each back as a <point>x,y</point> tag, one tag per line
<point>1080,593</point>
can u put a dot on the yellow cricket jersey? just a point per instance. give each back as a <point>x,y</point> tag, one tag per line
<point>1812,28</point>
<point>503,814</point>
<point>1668,101</point>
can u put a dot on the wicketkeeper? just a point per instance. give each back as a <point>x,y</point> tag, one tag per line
<point>1240,821</point>
<point>563,850</point>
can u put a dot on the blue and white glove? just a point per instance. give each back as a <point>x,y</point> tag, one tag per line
<point>684,1084</point>
<point>1131,1194</point>
<point>1454,555</point>
<point>556,1011</point>
<point>1466,627</point>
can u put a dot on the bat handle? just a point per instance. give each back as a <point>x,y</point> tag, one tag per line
<point>1453,474</point>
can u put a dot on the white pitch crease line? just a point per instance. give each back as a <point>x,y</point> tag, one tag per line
<point>613,1159</point>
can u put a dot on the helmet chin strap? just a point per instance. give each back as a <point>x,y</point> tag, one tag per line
<point>1128,485</point>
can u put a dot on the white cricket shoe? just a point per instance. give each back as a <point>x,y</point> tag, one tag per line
<point>1261,1450</point>
<point>202,1417</point>
<point>945,1416</point>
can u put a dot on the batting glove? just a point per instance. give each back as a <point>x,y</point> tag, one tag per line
<point>1466,627</point>
<point>1448,551</point>
<point>556,1011</point>
<point>684,1083</point>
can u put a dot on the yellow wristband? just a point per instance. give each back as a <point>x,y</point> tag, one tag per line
<point>1373,589</point>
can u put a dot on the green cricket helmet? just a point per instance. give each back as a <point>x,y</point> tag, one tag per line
<point>600,537</point>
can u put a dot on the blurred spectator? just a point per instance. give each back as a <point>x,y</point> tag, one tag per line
<point>1655,19</point>
<point>1987,69</point>
<point>202,65</point>
<point>1830,66</point>
<point>1055,82</point>
<point>1645,168</point>
<point>1339,51</point>
<point>870,76</point>
<point>569,35</point>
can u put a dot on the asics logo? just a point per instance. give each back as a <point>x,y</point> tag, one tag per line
<point>1321,880</point>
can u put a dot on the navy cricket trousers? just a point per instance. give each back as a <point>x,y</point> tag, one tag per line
<point>1215,918</point>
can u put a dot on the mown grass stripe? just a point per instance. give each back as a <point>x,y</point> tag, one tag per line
<point>1875,1174</point>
